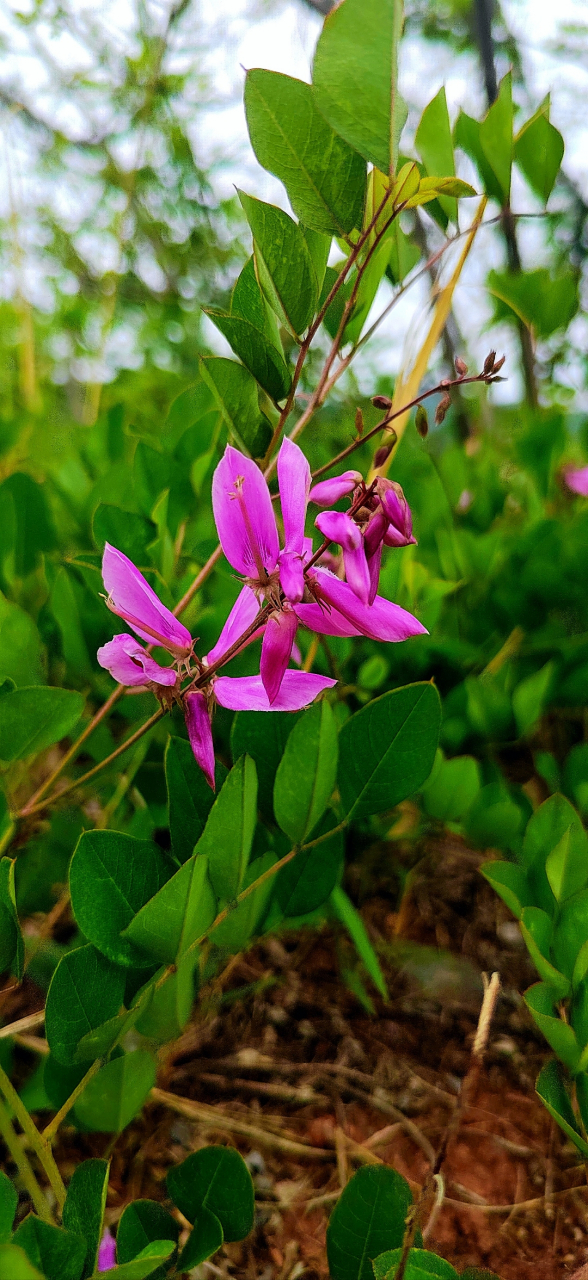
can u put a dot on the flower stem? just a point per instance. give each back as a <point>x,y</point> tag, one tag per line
<point>24,1166</point>
<point>39,1146</point>
<point>51,1129</point>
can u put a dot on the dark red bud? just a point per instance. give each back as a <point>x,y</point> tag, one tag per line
<point>461,367</point>
<point>489,362</point>
<point>359,421</point>
<point>499,363</point>
<point>381,402</point>
<point>442,408</point>
<point>382,454</point>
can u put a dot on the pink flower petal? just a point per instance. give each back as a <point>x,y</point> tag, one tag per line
<point>106,1252</point>
<point>576,479</point>
<point>396,508</point>
<point>200,733</point>
<point>337,526</point>
<point>294,482</point>
<point>292,575</point>
<point>244,516</point>
<point>381,620</point>
<point>326,492</point>
<point>325,620</point>
<point>243,613</point>
<point>374,565</point>
<point>131,597</point>
<point>357,573</point>
<point>276,648</point>
<point>246,693</point>
<point>128,663</point>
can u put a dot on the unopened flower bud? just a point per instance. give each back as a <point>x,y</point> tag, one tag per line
<point>442,408</point>
<point>498,364</point>
<point>359,421</point>
<point>421,421</point>
<point>489,362</point>
<point>382,454</point>
<point>461,367</point>
<point>381,402</point>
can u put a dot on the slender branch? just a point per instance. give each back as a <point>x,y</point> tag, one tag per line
<point>73,751</point>
<point>24,1166</point>
<point>50,1130</point>
<point>42,1151</point>
<point>467,1095</point>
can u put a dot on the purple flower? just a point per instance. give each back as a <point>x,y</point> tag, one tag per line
<point>129,664</point>
<point>337,526</point>
<point>294,482</point>
<point>107,1252</point>
<point>341,609</point>
<point>131,597</point>
<point>397,512</point>
<point>576,479</point>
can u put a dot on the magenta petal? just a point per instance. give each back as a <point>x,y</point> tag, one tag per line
<point>276,648</point>
<point>397,510</point>
<point>292,575</point>
<point>131,597</point>
<point>244,515</point>
<point>106,1252</point>
<point>326,492</point>
<point>375,531</point>
<point>325,620</point>
<point>128,663</point>
<point>200,733</point>
<point>294,481</point>
<point>337,526</point>
<point>381,620</point>
<point>246,693</point>
<point>374,565</point>
<point>576,479</point>
<point>243,613</point>
<point>357,573</point>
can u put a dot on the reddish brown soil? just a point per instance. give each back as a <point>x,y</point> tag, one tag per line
<point>303,1029</point>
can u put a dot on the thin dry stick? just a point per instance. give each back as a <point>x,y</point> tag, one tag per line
<point>468,1092</point>
<point>214,1119</point>
<point>22,1024</point>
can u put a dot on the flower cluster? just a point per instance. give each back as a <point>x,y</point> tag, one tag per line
<point>283,587</point>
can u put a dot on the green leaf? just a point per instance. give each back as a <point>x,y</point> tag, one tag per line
<point>24,506</point>
<point>204,1239</point>
<point>324,178</point>
<point>264,739</point>
<point>355,77</point>
<point>453,789</point>
<point>434,144</point>
<point>567,864</point>
<point>581,1084</point>
<point>494,819</point>
<point>496,138</point>
<point>247,301</point>
<point>559,1035</point>
<point>421,1265</point>
<point>530,696</point>
<point>553,1094</point>
<point>97,1043</point>
<point>146,1262</point>
<point>537,930</point>
<point>143,1222</point>
<point>36,717</point>
<point>85,990</point>
<point>11,939</point>
<point>59,1080</point>
<point>346,913</point>
<point>85,1202</point>
<point>194,405</point>
<point>284,263</point>
<point>571,933</point>
<point>236,395</point>
<point>466,135</point>
<point>306,773</point>
<point>8,1206</point>
<point>66,603</point>
<point>259,356</point>
<point>113,1097</point>
<point>20,646</point>
<point>306,882</point>
<point>14,1264</point>
<point>240,926</point>
<point>129,532</point>
<point>58,1254</point>
<point>164,1012</point>
<point>319,247</point>
<point>368,1218</point>
<point>215,1178</point>
<point>538,151</point>
<point>386,750</point>
<point>404,253</point>
<point>111,877</point>
<point>545,301</point>
<point>189,795</point>
<point>182,910</point>
<point>227,836</point>
<point>546,827</point>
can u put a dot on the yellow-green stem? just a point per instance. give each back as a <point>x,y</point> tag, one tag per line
<point>51,1129</point>
<point>42,1151</point>
<point>24,1166</point>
